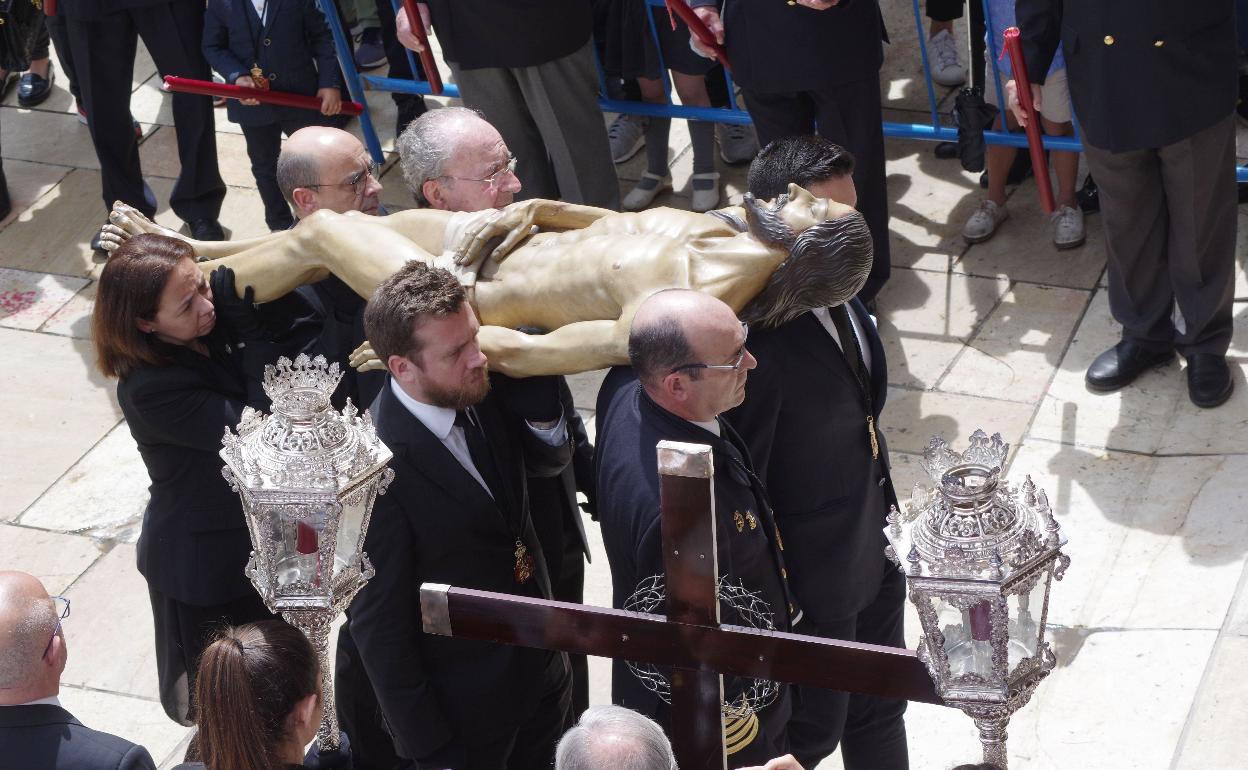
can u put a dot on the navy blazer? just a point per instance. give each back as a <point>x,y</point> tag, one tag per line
<point>294,48</point>
<point>1142,73</point>
<point>436,524</point>
<point>49,738</point>
<point>804,420</point>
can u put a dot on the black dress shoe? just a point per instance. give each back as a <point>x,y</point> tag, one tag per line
<point>1120,365</point>
<point>33,90</point>
<point>1208,380</point>
<point>1089,196</point>
<point>206,230</point>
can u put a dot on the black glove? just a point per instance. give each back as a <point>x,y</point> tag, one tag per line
<point>536,399</point>
<point>339,759</point>
<point>238,315</point>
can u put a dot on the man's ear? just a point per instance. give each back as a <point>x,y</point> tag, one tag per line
<point>675,386</point>
<point>400,368</point>
<point>432,190</point>
<point>304,199</point>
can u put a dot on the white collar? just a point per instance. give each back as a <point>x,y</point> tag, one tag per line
<point>438,419</point>
<point>51,700</point>
<point>711,426</point>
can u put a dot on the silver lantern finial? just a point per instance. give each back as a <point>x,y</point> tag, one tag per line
<point>308,476</point>
<point>979,559</point>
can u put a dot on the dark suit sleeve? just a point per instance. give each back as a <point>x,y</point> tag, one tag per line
<point>216,43</point>
<point>316,32</point>
<point>185,413</point>
<point>582,449</point>
<point>1040,32</point>
<point>137,758</point>
<point>386,625</point>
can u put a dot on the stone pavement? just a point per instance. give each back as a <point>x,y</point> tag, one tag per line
<point>1150,624</point>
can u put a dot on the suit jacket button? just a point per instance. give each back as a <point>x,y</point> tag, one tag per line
<point>1158,43</point>
<point>1109,40</point>
<point>268,41</point>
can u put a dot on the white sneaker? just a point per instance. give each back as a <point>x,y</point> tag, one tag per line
<point>1067,227</point>
<point>738,143</point>
<point>647,189</point>
<point>984,222</point>
<point>942,56</point>
<point>704,197</point>
<point>627,134</point>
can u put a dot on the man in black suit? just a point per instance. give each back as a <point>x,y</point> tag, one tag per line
<point>810,417</point>
<point>813,66</point>
<point>102,36</point>
<point>1163,156</point>
<point>457,513</point>
<point>689,365</point>
<point>34,730</point>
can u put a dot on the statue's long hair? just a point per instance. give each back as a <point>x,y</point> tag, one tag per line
<point>828,263</point>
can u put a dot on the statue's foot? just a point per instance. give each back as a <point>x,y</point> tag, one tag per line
<point>131,221</point>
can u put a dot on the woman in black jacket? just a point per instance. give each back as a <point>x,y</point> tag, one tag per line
<point>188,356</point>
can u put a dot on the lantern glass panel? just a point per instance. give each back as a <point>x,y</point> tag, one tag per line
<point>349,523</point>
<point>967,634</point>
<point>299,555</point>
<point>1025,630</point>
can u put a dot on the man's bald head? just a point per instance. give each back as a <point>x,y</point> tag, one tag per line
<point>674,333</point>
<point>312,169</point>
<point>28,621</point>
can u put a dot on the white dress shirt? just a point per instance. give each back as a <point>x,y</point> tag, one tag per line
<point>441,422</point>
<point>51,700</point>
<point>825,319</point>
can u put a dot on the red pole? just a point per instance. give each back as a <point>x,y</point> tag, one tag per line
<point>49,7</point>
<point>1034,142</point>
<point>426,53</point>
<point>699,30</point>
<point>280,98</point>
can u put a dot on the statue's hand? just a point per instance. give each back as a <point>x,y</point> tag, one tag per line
<point>363,359</point>
<point>511,224</point>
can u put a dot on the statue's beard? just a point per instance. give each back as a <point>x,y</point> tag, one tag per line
<point>828,263</point>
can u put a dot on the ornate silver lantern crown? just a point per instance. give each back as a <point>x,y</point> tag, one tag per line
<point>979,558</point>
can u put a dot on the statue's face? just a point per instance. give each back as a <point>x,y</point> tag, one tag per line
<point>803,209</point>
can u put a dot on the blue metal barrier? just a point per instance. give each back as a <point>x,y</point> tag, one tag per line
<point>357,84</point>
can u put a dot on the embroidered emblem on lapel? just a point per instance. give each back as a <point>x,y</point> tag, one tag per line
<point>740,522</point>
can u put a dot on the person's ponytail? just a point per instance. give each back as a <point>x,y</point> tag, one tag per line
<point>249,681</point>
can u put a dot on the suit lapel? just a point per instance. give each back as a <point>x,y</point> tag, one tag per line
<point>879,364</point>
<point>274,8</point>
<point>424,452</point>
<point>815,342</point>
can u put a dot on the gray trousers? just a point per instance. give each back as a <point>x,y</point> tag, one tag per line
<point>1170,217</point>
<point>549,117</point>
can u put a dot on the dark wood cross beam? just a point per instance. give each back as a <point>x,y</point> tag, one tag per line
<point>690,638</point>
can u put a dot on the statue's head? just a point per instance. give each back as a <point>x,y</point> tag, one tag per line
<point>830,254</point>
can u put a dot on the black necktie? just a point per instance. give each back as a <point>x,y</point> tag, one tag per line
<point>482,457</point>
<point>849,345</point>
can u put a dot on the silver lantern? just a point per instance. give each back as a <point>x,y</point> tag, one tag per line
<point>308,476</point>
<point>979,557</point>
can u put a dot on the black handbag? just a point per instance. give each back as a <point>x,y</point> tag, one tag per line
<point>20,24</point>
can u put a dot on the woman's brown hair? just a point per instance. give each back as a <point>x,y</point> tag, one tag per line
<point>250,680</point>
<point>130,287</point>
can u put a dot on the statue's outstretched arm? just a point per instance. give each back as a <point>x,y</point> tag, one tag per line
<point>577,347</point>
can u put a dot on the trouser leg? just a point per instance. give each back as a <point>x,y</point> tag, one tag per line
<point>875,728</point>
<point>264,142</point>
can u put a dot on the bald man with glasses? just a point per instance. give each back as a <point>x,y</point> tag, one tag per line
<point>35,731</point>
<point>690,360</point>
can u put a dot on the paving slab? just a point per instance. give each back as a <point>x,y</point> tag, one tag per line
<point>1237,618</point>
<point>28,299</point>
<point>1023,248</point>
<point>1016,350</point>
<point>54,406</point>
<point>926,219</point>
<point>110,634</point>
<point>1216,737</point>
<point>139,720</point>
<point>1155,542</point>
<point>54,234</point>
<point>926,318</point>
<point>159,156</point>
<point>103,495</point>
<point>47,137</point>
<point>55,558</point>
<point>74,317</point>
<point>912,417</point>
<point>27,183</point>
<point>242,211</point>
<point>1154,414</point>
<point>585,388</point>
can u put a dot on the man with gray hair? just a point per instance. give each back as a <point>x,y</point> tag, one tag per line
<point>35,731</point>
<point>614,737</point>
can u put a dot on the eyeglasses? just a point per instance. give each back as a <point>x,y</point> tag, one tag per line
<point>63,614</point>
<point>495,179</point>
<point>358,182</point>
<point>734,366</point>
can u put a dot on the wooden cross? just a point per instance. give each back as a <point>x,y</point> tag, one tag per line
<point>690,639</point>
